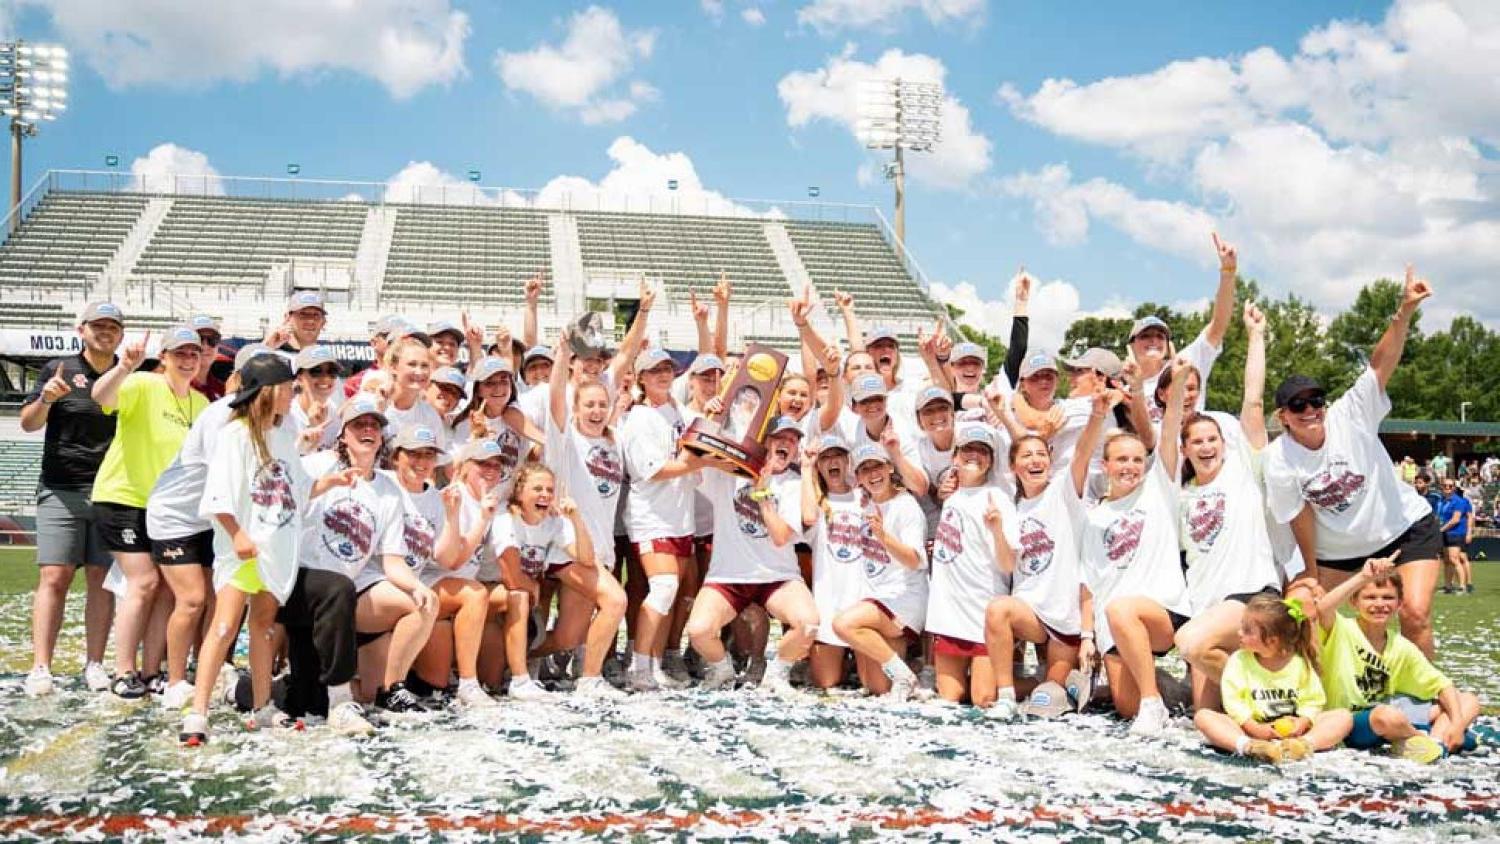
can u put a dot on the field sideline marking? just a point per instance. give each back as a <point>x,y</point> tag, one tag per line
<point>48,824</point>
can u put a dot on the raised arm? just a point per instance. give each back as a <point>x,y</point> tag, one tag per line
<point>1137,411</point>
<point>812,342</point>
<point>1253,405</point>
<point>1020,329</point>
<point>700,323</point>
<point>107,389</point>
<point>828,414</point>
<point>582,550</point>
<point>1374,569</point>
<point>635,337</point>
<point>1005,558</point>
<point>722,292</point>
<point>927,349</point>
<point>1387,352</point>
<point>810,510</point>
<point>557,384</point>
<point>1088,441</point>
<point>528,319</point>
<point>1218,322</point>
<point>851,321</point>
<point>1169,444</point>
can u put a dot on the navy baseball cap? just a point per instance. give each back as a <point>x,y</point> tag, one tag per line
<point>1297,385</point>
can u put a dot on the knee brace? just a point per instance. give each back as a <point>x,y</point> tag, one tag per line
<point>662,592</point>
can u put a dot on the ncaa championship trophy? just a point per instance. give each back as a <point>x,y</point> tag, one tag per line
<point>737,434</point>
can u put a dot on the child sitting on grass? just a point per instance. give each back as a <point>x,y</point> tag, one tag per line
<point>1273,700</point>
<point>1383,677</point>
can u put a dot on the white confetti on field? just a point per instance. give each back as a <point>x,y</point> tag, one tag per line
<point>696,765</point>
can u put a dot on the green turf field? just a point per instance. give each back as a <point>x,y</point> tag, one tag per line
<point>738,765</point>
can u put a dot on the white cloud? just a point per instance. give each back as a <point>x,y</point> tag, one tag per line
<point>169,168</point>
<point>1053,307</point>
<point>753,16</point>
<point>1329,167</point>
<point>583,73</point>
<point>831,15</point>
<point>638,182</point>
<point>833,92</point>
<point>405,45</point>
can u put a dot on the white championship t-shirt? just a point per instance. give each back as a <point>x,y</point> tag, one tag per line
<point>592,473</point>
<point>269,501</point>
<point>837,538</point>
<point>1046,577</point>
<point>1129,548</point>
<point>965,573</point>
<point>422,519</point>
<point>901,590</point>
<point>655,509</point>
<point>537,546</point>
<point>349,530</point>
<point>743,549</point>
<point>514,449</point>
<point>1359,505</point>
<point>1222,526</point>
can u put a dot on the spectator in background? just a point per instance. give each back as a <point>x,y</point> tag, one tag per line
<point>78,434</point>
<point>1440,466</point>
<point>1457,515</point>
<point>1423,484</point>
<point>1490,472</point>
<point>211,386</point>
<point>305,318</point>
<point>1408,469</point>
<point>378,336</point>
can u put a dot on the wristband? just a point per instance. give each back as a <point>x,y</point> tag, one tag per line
<point>1087,635</point>
<point>760,494</point>
<point>942,360</point>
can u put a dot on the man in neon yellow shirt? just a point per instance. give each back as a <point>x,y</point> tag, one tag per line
<point>1383,677</point>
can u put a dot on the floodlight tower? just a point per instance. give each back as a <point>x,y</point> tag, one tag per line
<point>33,88</point>
<point>899,115</point>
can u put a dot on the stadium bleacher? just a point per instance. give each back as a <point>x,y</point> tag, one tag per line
<point>231,240</point>
<point>855,258</point>
<point>20,465</point>
<point>685,252</point>
<point>66,239</point>
<point>468,255</point>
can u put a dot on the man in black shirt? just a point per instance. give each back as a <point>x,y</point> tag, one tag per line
<point>78,434</point>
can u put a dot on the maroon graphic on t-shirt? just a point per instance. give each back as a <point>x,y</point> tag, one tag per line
<point>510,453</point>
<point>747,513</point>
<point>533,559</point>
<point>1205,519</point>
<point>605,468</point>
<point>1335,487</point>
<point>845,536</point>
<point>1123,537</point>
<point>348,530</point>
<point>271,495</point>
<point>419,533</point>
<point>1036,547</point>
<point>948,542</point>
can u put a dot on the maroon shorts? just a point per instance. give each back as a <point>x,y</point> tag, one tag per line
<point>741,595</point>
<point>677,546</point>
<point>1072,640</point>
<point>954,646</point>
<point>554,569</point>
<point>910,634</point>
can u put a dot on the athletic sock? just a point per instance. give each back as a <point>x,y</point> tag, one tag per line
<point>1006,693</point>
<point>339,694</point>
<point>896,668</point>
<point>468,683</point>
<point>1241,744</point>
<point>523,680</point>
<point>778,669</point>
<point>640,662</point>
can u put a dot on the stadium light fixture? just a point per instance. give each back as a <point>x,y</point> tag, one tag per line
<point>33,89</point>
<point>475,176</point>
<point>900,115</point>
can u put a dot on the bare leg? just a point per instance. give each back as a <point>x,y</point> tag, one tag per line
<point>47,610</point>
<point>1205,644</point>
<point>262,647</point>
<point>98,613</point>
<point>141,579</point>
<point>229,605</point>
<point>189,587</point>
<point>711,611</point>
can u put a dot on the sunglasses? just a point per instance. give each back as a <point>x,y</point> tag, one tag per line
<point>324,372</point>
<point>1299,404</point>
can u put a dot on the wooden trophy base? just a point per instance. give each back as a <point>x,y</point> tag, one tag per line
<point>705,437</point>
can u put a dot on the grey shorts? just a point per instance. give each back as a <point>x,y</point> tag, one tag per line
<point>65,533</point>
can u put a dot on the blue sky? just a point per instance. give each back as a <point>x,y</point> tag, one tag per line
<point>1290,126</point>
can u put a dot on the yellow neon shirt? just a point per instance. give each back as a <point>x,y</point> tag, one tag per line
<point>1253,693</point>
<point>153,422</point>
<point>1357,677</point>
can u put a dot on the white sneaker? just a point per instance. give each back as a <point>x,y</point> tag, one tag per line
<point>194,730</point>
<point>268,717</point>
<point>39,682</point>
<point>473,696</point>
<point>224,687</point>
<point>1003,709</point>
<point>718,675</point>
<point>902,688</point>
<point>779,685</point>
<point>349,719</point>
<point>177,696</point>
<point>597,688</point>
<point>96,677</point>
<point>529,689</point>
<point>667,681</point>
<point>1151,719</point>
<point>641,680</point>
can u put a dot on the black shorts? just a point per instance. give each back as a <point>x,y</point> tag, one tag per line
<point>1422,541</point>
<point>1453,541</point>
<point>1244,597</point>
<point>198,548</point>
<point>121,527</point>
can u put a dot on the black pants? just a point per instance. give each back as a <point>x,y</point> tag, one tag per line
<point>319,621</point>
